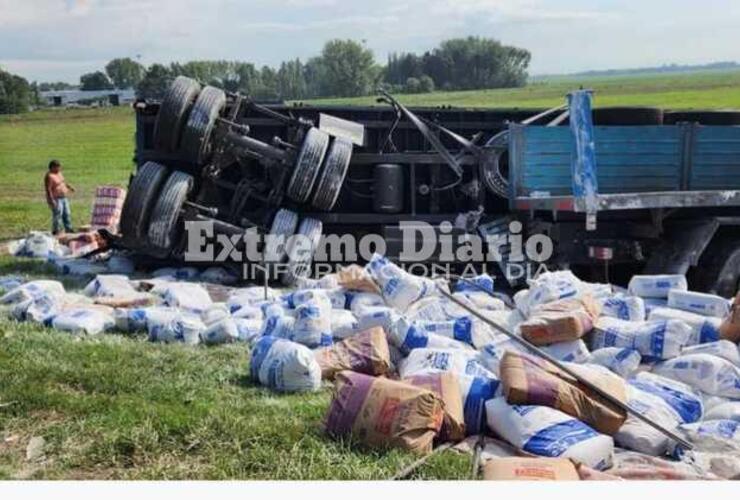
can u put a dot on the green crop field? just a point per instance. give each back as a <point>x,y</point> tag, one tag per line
<point>116,406</point>
<point>698,90</point>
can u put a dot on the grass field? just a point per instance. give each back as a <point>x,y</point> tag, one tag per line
<point>705,90</point>
<point>117,406</point>
<point>94,146</point>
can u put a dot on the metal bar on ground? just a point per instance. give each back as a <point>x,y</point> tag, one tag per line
<point>539,352</point>
<point>406,471</point>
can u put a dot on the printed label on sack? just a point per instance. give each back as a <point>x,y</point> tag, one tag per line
<point>553,441</point>
<point>387,415</point>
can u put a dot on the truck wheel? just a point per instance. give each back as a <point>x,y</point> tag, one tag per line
<point>703,117</point>
<point>719,268</point>
<point>284,224</point>
<point>332,177</point>
<point>307,164</point>
<point>141,196</point>
<point>196,137</point>
<point>300,255</point>
<point>173,112</point>
<point>628,116</point>
<point>163,225</point>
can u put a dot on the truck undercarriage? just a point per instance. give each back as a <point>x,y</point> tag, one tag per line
<point>667,196</point>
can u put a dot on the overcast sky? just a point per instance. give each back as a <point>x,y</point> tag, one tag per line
<point>49,40</point>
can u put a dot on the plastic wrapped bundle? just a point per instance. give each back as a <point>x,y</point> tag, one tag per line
<point>312,326</point>
<point>409,336</point>
<point>223,331</point>
<point>699,303</point>
<point>725,411</point>
<point>722,348</point>
<point>656,285</point>
<point>180,326</point>
<point>623,361</point>
<point>654,339</point>
<point>457,361</point>
<point>399,288</point>
<point>284,366</point>
<point>548,287</point>
<point>574,351</point>
<point>625,307</point>
<point>343,324</point>
<point>90,321</point>
<point>703,329</point>
<point>711,374</point>
<point>547,432</point>
<point>189,296</point>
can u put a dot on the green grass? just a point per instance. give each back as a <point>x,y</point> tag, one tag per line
<point>118,407</point>
<point>705,90</point>
<point>95,147</point>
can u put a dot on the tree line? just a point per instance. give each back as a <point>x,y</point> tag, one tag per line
<point>344,68</point>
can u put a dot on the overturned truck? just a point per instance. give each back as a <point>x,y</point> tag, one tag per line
<point>616,190</point>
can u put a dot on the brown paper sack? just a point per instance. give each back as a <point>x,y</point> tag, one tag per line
<point>560,321</point>
<point>384,413</point>
<point>447,388</point>
<point>528,380</point>
<point>365,352</point>
<point>530,469</point>
<point>355,277</point>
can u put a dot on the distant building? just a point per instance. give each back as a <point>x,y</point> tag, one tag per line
<point>87,97</point>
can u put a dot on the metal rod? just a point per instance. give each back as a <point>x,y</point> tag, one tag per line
<point>559,119</point>
<point>534,118</point>
<point>406,471</point>
<point>539,352</point>
<point>252,144</point>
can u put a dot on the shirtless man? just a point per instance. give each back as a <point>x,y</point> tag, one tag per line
<point>56,197</point>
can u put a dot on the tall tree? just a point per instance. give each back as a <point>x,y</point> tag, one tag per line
<point>125,73</point>
<point>155,82</point>
<point>291,80</point>
<point>95,81</point>
<point>349,68</point>
<point>16,95</point>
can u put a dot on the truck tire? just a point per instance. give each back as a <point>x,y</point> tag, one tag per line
<point>142,194</point>
<point>307,165</point>
<point>284,224</point>
<point>332,176</point>
<point>163,224</point>
<point>616,116</point>
<point>703,117</point>
<point>196,137</point>
<point>719,267</point>
<point>299,259</point>
<point>173,112</point>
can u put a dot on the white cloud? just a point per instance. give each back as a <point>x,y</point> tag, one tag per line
<point>52,39</point>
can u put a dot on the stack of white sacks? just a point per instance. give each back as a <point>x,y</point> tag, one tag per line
<point>661,339</point>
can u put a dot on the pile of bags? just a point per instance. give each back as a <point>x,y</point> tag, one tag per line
<point>410,367</point>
